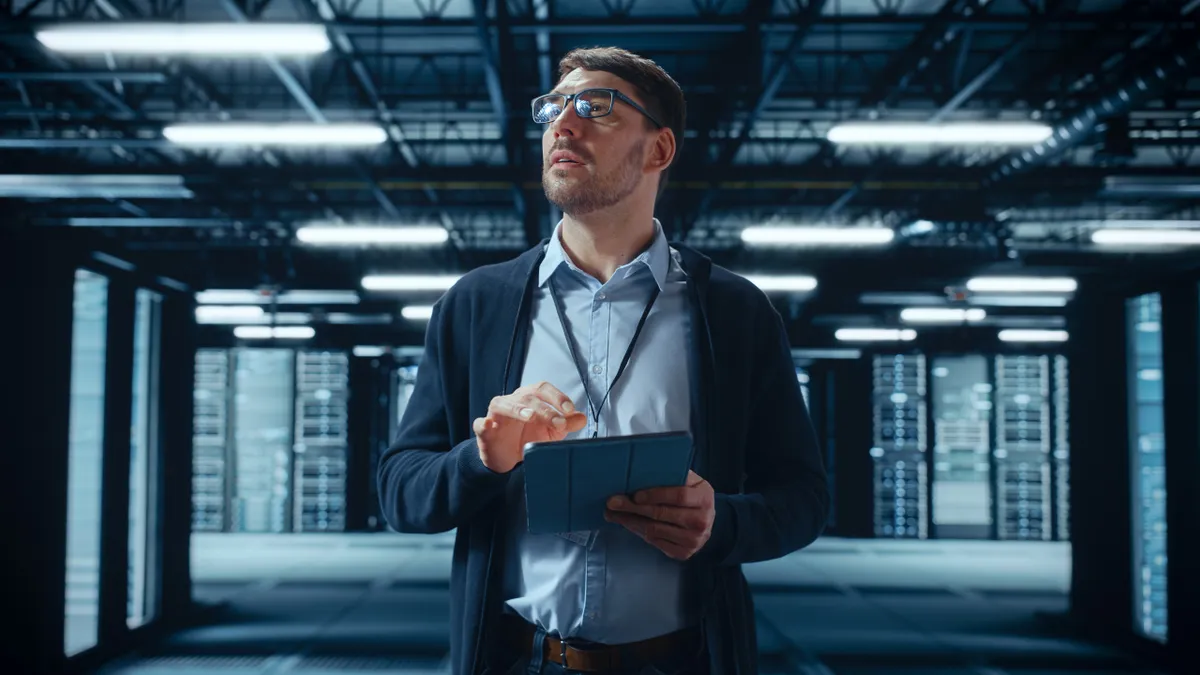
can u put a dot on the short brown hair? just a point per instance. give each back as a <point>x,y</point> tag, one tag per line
<point>659,92</point>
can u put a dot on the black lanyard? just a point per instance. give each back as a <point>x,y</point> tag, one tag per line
<point>562,320</point>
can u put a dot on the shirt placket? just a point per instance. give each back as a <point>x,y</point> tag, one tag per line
<point>598,352</point>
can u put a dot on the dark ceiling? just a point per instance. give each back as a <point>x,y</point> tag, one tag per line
<point>1118,81</point>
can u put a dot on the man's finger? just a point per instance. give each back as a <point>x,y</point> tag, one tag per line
<point>683,517</point>
<point>688,497</point>
<point>649,529</point>
<point>554,396</point>
<point>526,408</point>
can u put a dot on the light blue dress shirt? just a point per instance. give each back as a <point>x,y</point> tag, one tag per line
<point>607,586</point>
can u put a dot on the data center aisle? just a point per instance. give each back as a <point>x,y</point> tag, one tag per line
<point>323,604</point>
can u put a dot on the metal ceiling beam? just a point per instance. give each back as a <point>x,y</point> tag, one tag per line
<point>1119,20</point>
<point>496,94</point>
<point>126,76</point>
<point>916,61</point>
<point>302,97</point>
<point>804,20</point>
<point>1137,87</point>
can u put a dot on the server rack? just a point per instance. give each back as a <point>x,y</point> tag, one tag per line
<point>322,435</point>
<point>262,431</point>
<point>1062,452</point>
<point>900,474</point>
<point>1148,461</point>
<point>210,424</point>
<point>1022,455</point>
<point>271,440</point>
<point>961,414</point>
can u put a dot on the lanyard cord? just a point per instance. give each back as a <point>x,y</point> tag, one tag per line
<point>562,320</point>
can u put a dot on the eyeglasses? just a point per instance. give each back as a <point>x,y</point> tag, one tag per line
<point>589,104</point>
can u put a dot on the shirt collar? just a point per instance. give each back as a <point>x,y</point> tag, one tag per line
<point>656,257</point>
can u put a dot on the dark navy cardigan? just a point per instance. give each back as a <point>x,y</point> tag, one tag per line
<point>753,437</point>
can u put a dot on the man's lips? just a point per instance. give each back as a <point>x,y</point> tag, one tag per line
<point>565,158</point>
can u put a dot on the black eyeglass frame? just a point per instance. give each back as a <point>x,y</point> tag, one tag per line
<point>615,93</point>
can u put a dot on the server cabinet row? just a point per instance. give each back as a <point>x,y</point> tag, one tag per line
<point>970,446</point>
<point>270,440</point>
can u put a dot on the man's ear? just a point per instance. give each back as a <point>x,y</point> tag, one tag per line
<point>662,151</point>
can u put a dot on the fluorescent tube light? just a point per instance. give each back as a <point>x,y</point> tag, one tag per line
<point>817,236</point>
<point>417,312</point>
<point>366,351</point>
<point>1018,300</point>
<point>74,186</point>
<point>290,134</point>
<point>1022,285</point>
<point>274,332</point>
<point>792,284</point>
<point>253,297</point>
<point>941,315</point>
<point>874,334</point>
<point>220,313</point>
<point>956,133</point>
<point>273,319</point>
<point>145,222</point>
<point>208,39</point>
<point>353,235</point>
<point>409,282</point>
<point>1030,335</point>
<point>1135,237</point>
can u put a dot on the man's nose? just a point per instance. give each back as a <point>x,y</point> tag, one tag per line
<point>567,122</point>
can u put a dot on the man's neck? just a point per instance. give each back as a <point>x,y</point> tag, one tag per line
<point>600,247</point>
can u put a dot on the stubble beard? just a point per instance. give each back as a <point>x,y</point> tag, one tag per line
<point>594,192</point>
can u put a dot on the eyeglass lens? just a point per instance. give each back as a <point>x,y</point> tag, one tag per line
<point>591,103</point>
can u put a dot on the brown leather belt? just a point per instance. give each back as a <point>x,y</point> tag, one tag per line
<point>682,646</point>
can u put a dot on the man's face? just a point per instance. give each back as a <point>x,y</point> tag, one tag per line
<point>609,151</point>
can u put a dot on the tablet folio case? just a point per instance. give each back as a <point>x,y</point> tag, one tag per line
<point>567,485</point>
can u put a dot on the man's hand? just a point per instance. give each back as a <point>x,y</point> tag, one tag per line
<point>536,413</point>
<point>676,520</point>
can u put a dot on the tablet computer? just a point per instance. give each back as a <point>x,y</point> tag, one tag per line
<point>568,483</point>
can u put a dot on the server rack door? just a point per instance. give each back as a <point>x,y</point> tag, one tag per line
<point>1148,445</point>
<point>322,435</point>
<point>1022,455</point>
<point>1062,451</point>
<point>85,463</point>
<point>262,430</point>
<point>962,411</point>
<point>900,473</point>
<point>210,427</point>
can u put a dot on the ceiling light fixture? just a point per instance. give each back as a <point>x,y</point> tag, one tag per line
<point>274,332</point>
<point>222,313</point>
<point>204,39</point>
<point>275,134</point>
<point>417,312</point>
<point>817,236</point>
<point>254,297</point>
<point>409,282</point>
<point>875,334</point>
<point>365,235</point>
<point>1147,237</point>
<point>1004,284</point>
<point>100,186</point>
<point>941,315</point>
<point>782,283</point>
<point>1030,335</point>
<point>954,133</point>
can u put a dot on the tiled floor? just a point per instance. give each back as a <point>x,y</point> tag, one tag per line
<point>324,604</point>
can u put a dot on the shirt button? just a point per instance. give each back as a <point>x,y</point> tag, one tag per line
<point>597,369</point>
<point>602,296</point>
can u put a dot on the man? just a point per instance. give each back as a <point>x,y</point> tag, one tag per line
<point>532,350</point>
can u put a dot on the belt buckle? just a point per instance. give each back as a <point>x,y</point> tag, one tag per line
<point>562,651</point>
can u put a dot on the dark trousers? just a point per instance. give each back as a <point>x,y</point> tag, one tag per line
<point>510,659</point>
